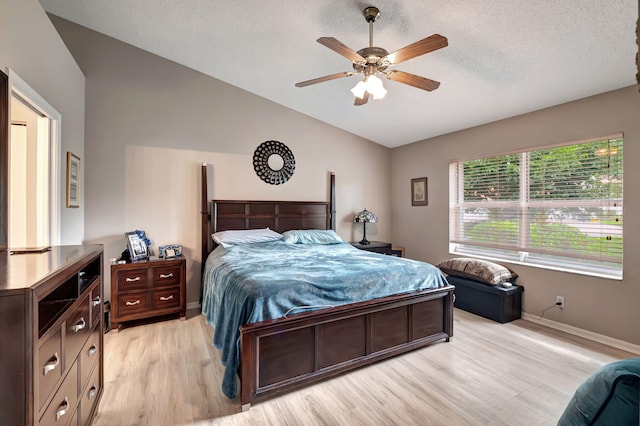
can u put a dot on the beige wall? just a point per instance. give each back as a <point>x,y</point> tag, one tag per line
<point>150,123</point>
<point>30,46</point>
<point>602,306</point>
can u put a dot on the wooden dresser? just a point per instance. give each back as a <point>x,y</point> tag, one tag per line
<point>148,289</point>
<point>51,336</point>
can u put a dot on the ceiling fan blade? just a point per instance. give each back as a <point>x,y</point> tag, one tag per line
<point>362,101</point>
<point>418,48</point>
<point>341,49</point>
<point>412,80</point>
<point>325,78</point>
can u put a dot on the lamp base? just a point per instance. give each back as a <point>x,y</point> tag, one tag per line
<point>364,242</point>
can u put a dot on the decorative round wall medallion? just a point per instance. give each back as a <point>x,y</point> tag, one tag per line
<point>273,162</point>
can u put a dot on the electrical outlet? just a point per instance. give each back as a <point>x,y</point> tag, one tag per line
<point>560,301</point>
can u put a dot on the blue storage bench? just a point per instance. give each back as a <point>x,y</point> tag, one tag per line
<point>490,301</point>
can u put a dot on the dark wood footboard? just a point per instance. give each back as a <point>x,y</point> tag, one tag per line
<point>284,354</point>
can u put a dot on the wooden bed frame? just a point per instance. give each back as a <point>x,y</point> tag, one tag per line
<point>287,353</point>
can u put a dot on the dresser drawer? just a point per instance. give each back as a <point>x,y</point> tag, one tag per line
<point>166,275</point>
<point>132,303</point>
<point>131,279</point>
<point>165,299</point>
<point>90,354</point>
<point>89,395</point>
<point>62,406</point>
<point>78,330</point>
<point>49,367</point>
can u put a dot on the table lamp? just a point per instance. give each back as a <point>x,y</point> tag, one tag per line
<point>365,216</point>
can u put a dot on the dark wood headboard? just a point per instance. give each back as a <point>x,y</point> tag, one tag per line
<point>222,215</point>
<point>277,215</point>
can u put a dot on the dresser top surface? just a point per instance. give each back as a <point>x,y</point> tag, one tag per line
<point>25,271</point>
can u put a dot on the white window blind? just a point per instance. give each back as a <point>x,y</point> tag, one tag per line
<point>559,207</point>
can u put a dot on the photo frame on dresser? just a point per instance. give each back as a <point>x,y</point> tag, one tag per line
<point>170,251</point>
<point>137,247</point>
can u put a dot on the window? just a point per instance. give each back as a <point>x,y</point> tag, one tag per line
<point>557,208</point>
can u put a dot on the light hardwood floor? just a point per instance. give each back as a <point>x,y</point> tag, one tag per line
<point>167,373</point>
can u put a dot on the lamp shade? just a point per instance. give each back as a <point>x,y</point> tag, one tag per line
<point>359,89</point>
<point>372,85</point>
<point>375,87</point>
<point>365,216</point>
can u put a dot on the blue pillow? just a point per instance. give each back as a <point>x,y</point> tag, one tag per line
<point>312,236</point>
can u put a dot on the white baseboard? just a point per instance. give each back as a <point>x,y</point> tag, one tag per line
<point>193,305</point>
<point>600,338</point>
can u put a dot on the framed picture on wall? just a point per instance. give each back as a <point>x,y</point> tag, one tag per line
<point>73,180</point>
<point>419,192</point>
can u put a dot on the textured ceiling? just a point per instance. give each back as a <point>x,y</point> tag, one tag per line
<point>504,58</point>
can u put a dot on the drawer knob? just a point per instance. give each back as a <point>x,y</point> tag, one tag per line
<point>79,325</point>
<point>169,275</point>
<point>92,350</point>
<point>166,298</point>
<point>92,392</point>
<point>132,280</point>
<point>62,409</point>
<point>95,302</point>
<point>137,302</point>
<point>51,365</point>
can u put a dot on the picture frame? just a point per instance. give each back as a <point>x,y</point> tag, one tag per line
<point>419,194</point>
<point>73,180</point>
<point>137,247</point>
<point>170,251</point>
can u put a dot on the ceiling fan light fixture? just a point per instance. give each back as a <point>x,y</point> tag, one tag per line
<point>359,89</point>
<point>375,87</point>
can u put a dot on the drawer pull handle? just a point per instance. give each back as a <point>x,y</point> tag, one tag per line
<point>62,410</point>
<point>92,350</point>
<point>51,365</point>
<point>137,302</point>
<point>95,301</point>
<point>166,298</point>
<point>132,280</point>
<point>170,275</point>
<point>92,392</point>
<point>79,325</point>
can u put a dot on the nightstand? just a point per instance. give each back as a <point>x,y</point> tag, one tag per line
<point>147,289</point>
<point>375,246</point>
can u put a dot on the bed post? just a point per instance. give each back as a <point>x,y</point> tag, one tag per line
<point>205,215</point>
<point>332,201</point>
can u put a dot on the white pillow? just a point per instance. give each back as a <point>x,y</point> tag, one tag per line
<point>229,238</point>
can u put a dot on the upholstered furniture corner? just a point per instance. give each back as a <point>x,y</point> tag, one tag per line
<point>610,396</point>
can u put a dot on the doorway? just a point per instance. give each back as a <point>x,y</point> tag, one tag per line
<point>29,176</point>
<point>34,164</point>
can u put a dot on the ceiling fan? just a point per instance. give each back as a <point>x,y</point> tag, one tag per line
<point>371,61</point>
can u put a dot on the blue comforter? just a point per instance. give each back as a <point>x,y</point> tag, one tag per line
<point>254,282</point>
